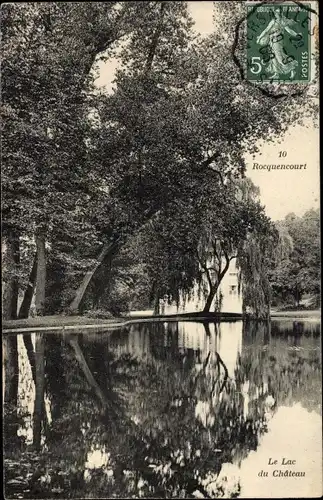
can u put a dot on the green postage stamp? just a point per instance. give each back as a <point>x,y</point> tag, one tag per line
<point>279,42</point>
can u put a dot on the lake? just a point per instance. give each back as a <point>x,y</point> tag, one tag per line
<point>165,410</point>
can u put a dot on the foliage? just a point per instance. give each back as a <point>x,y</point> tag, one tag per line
<point>85,169</point>
<point>194,247</point>
<point>98,313</point>
<point>254,264</point>
<point>45,174</point>
<point>228,228</point>
<point>299,271</point>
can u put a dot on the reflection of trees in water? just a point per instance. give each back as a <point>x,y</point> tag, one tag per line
<point>168,423</point>
<point>112,409</point>
<point>39,403</point>
<point>79,420</point>
<point>296,328</point>
<point>280,358</point>
<point>10,361</point>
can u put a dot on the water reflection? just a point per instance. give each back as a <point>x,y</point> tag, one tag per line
<point>159,410</point>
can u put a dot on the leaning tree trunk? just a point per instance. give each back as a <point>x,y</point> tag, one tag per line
<point>11,288</point>
<point>40,274</point>
<point>80,292</point>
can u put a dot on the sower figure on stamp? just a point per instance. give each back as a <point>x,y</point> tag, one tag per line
<point>273,35</point>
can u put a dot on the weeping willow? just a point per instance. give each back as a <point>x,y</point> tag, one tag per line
<point>254,265</point>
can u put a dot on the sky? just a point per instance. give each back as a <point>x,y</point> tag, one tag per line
<point>281,191</point>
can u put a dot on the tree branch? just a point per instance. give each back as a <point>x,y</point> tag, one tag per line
<point>226,266</point>
<point>155,39</point>
<point>207,164</point>
<point>215,250</point>
<point>206,270</point>
<point>108,248</point>
<point>226,373</point>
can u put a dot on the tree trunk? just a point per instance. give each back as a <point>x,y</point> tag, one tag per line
<point>79,294</point>
<point>40,274</point>
<point>101,282</point>
<point>29,292</point>
<point>11,289</point>
<point>214,288</point>
<point>210,298</point>
<point>24,313</point>
<point>207,329</point>
<point>156,306</point>
<point>39,406</point>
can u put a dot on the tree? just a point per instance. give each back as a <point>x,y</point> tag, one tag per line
<point>48,54</point>
<point>134,156</point>
<point>227,228</point>
<point>41,120</point>
<point>298,272</point>
<point>254,264</point>
<point>204,139</point>
<point>192,246</point>
<point>47,161</point>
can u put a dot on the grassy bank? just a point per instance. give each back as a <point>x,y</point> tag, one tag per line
<point>56,323</point>
<point>73,322</point>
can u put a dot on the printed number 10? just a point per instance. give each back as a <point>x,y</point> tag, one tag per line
<point>282,154</point>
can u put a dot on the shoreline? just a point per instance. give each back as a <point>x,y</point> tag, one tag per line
<point>69,323</point>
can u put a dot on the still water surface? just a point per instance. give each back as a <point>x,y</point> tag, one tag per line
<point>164,410</point>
